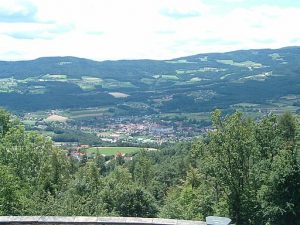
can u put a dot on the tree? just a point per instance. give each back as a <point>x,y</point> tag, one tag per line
<point>279,196</point>
<point>54,173</point>
<point>5,122</point>
<point>190,203</point>
<point>279,193</point>
<point>9,195</point>
<point>135,201</point>
<point>100,162</point>
<point>142,170</point>
<point>230,156</point>
<point>253,166</point>
<point>287,126</point>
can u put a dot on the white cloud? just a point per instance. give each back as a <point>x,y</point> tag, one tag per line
<point>115,29</point>
<point>15,6</point>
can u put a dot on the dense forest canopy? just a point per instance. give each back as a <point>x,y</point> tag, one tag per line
<point>244,169</point>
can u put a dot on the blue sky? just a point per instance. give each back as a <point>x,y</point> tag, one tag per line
<point>135,29</point>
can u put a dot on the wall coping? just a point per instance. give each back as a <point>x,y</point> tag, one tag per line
<point>74,220</point>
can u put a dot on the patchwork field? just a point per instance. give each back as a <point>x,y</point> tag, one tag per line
<point>56,118</point>
<point>85,113</point>
<point>112,150</point>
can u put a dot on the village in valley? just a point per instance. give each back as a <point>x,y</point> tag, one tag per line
<point>114,133</point>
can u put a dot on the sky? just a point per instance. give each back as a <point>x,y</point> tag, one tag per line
<point>143,29</point>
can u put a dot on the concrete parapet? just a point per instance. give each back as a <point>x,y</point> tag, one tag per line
<point>76,220</point>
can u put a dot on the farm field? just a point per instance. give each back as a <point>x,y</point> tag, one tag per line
<point>112,150</point>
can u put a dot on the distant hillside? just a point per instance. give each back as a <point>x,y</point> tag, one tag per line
<point>189,84</point>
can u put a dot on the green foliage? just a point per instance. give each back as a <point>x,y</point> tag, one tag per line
<point>4,122</point>
<point>76,136</point>
<point>9,194</point>
<point>190,201</point>
<point>232,152</point>
<point>142,171</point>
<point>136,202</point>
<point>280,194</point>
<point>243,169</point>
<point>287,126</point>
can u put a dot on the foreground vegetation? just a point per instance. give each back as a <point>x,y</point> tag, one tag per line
<point>243,169</point>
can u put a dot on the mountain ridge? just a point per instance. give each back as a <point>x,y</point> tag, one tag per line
<point>199,82</point>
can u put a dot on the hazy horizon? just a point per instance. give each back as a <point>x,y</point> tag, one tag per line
<point>128,59</point>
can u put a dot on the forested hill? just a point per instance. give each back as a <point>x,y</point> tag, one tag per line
<point>191,84</point>
<point>128,69</point>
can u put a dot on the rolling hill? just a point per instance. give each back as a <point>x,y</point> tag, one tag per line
<point>189,84</point>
